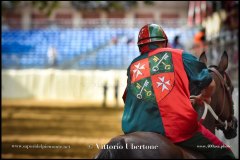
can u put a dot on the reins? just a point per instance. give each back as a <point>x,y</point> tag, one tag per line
<point>207,107</point>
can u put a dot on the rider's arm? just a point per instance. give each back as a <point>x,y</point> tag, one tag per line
<point>199,77</point>
<point>207,93</point>
<point>124,95</point>
<point>197,71</point>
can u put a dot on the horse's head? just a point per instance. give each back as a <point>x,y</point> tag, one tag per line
<point>222,101</point>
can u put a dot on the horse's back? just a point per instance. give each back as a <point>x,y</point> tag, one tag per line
<point>147,145</point>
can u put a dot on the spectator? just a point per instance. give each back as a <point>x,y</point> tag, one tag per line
<point>176,44</point>
<point>52,56</point>
<point>105,89</point>
<point>199,41</point>
<point>116,88</point>
<point>200,37</point>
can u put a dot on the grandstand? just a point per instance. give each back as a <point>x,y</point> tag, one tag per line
<point>87,48</point>
<point>83,40</point>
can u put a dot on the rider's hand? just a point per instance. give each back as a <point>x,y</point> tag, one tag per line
<point>207,99</point>
<point>199,99</point>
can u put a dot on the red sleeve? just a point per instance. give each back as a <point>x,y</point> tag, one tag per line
<point>124,95</point>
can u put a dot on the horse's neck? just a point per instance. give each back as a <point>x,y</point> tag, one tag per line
<point>209,121</point>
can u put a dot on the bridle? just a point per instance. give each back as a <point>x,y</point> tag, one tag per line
<point>226,93</point>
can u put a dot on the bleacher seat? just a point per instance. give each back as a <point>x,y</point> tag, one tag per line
<point>29,49</point>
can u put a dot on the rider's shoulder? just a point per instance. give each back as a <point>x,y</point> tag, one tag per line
<point>188,56</point>
<point>140,57</point>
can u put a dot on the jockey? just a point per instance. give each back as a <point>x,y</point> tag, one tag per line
<point>157,94</point>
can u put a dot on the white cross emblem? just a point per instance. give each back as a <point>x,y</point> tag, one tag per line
<point>137,69</point>
<point>163,83</point>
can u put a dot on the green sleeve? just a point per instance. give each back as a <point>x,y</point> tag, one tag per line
<point>197,71</point>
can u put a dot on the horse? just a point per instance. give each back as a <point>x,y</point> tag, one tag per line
<point>220,99</point>
<point>149,145</point>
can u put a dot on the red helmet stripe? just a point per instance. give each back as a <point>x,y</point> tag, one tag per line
<point>144,33</point>
<point>151,33</point>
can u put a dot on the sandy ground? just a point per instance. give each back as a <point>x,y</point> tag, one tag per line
<point>51,103</point>
<point>75,131</point>
<point>75,127</point>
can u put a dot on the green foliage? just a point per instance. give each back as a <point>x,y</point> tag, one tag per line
<point>46,7</point>
<point>148,2</point>
<point>8,5</point>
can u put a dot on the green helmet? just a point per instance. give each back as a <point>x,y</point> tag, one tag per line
<point>151,33</point>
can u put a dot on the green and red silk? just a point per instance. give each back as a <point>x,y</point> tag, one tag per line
<point>157,98</point>
<point>147,48</point>
<point>151,33</point>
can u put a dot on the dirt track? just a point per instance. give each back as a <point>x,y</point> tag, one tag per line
<point>78,129</point>
<point>78,124</point>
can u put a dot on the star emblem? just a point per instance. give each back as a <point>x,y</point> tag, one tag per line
<point>138,68</point>
<point>163,83</point>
